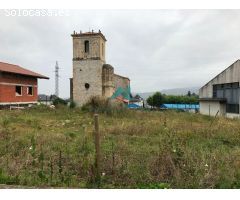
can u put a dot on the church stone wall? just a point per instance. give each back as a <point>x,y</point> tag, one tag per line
<point>107,80</point>
<point>87,72</point>
<point>96,47</point>
<point>120,81</point>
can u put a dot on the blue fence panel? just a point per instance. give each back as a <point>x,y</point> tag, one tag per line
<point>181,106</point>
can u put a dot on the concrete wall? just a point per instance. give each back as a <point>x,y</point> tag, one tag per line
<point>232,115</point>
<point>212,107</point>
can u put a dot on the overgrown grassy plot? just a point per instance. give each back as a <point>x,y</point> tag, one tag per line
<point>139,149</point>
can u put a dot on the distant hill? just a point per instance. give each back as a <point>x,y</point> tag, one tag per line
<point>174,91</point>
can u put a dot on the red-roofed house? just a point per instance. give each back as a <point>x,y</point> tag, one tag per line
<point>18,85</point>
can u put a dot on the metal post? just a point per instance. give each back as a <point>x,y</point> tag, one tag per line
<point>56,80</point>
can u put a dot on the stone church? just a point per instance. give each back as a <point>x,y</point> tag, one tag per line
<point>92,76</point>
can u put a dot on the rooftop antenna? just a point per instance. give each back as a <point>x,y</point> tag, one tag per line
<point>56,79</point>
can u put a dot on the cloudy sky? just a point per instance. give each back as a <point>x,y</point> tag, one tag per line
<point>156,49</point>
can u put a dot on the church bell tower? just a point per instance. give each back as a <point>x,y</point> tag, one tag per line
<point>88,60</point>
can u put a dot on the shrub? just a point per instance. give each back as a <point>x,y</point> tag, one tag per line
<point>59,101</point>
<point>102,105</point>
<point>72,104</point>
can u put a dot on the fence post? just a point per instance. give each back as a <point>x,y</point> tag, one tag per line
<point>97,147</point>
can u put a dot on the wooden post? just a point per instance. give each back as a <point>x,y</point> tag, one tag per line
<point>209,109</point>
<point>97,147</point>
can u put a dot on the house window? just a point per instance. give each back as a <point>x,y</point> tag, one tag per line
<point>30,91</point>
<point>86,46</point>
<point>18,90</point>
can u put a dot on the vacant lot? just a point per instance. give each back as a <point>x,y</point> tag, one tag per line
<point>140,149</point>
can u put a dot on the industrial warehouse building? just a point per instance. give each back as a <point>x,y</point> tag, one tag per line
<point>220,96</point>
<point>18,86</point>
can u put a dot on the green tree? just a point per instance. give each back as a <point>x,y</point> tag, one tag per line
<point>156,100</point>
<point>150,101</point>
<point>181,99</point>
<point>58,101</point>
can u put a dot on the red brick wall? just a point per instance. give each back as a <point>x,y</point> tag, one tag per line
<point>7,92</point>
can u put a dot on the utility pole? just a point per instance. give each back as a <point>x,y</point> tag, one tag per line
<point>56,79</point>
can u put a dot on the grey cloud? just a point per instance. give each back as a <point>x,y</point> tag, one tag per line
<point>157,49</point>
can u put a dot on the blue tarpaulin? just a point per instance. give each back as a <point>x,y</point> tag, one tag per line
<point>180,106</point>
<point>132,105</point>
<point>171,106</point>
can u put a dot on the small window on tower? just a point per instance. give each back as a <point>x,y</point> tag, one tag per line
<point>86,46</point>
<point>30,91</point>
<point>18,90</point>
<point>87,86</point>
